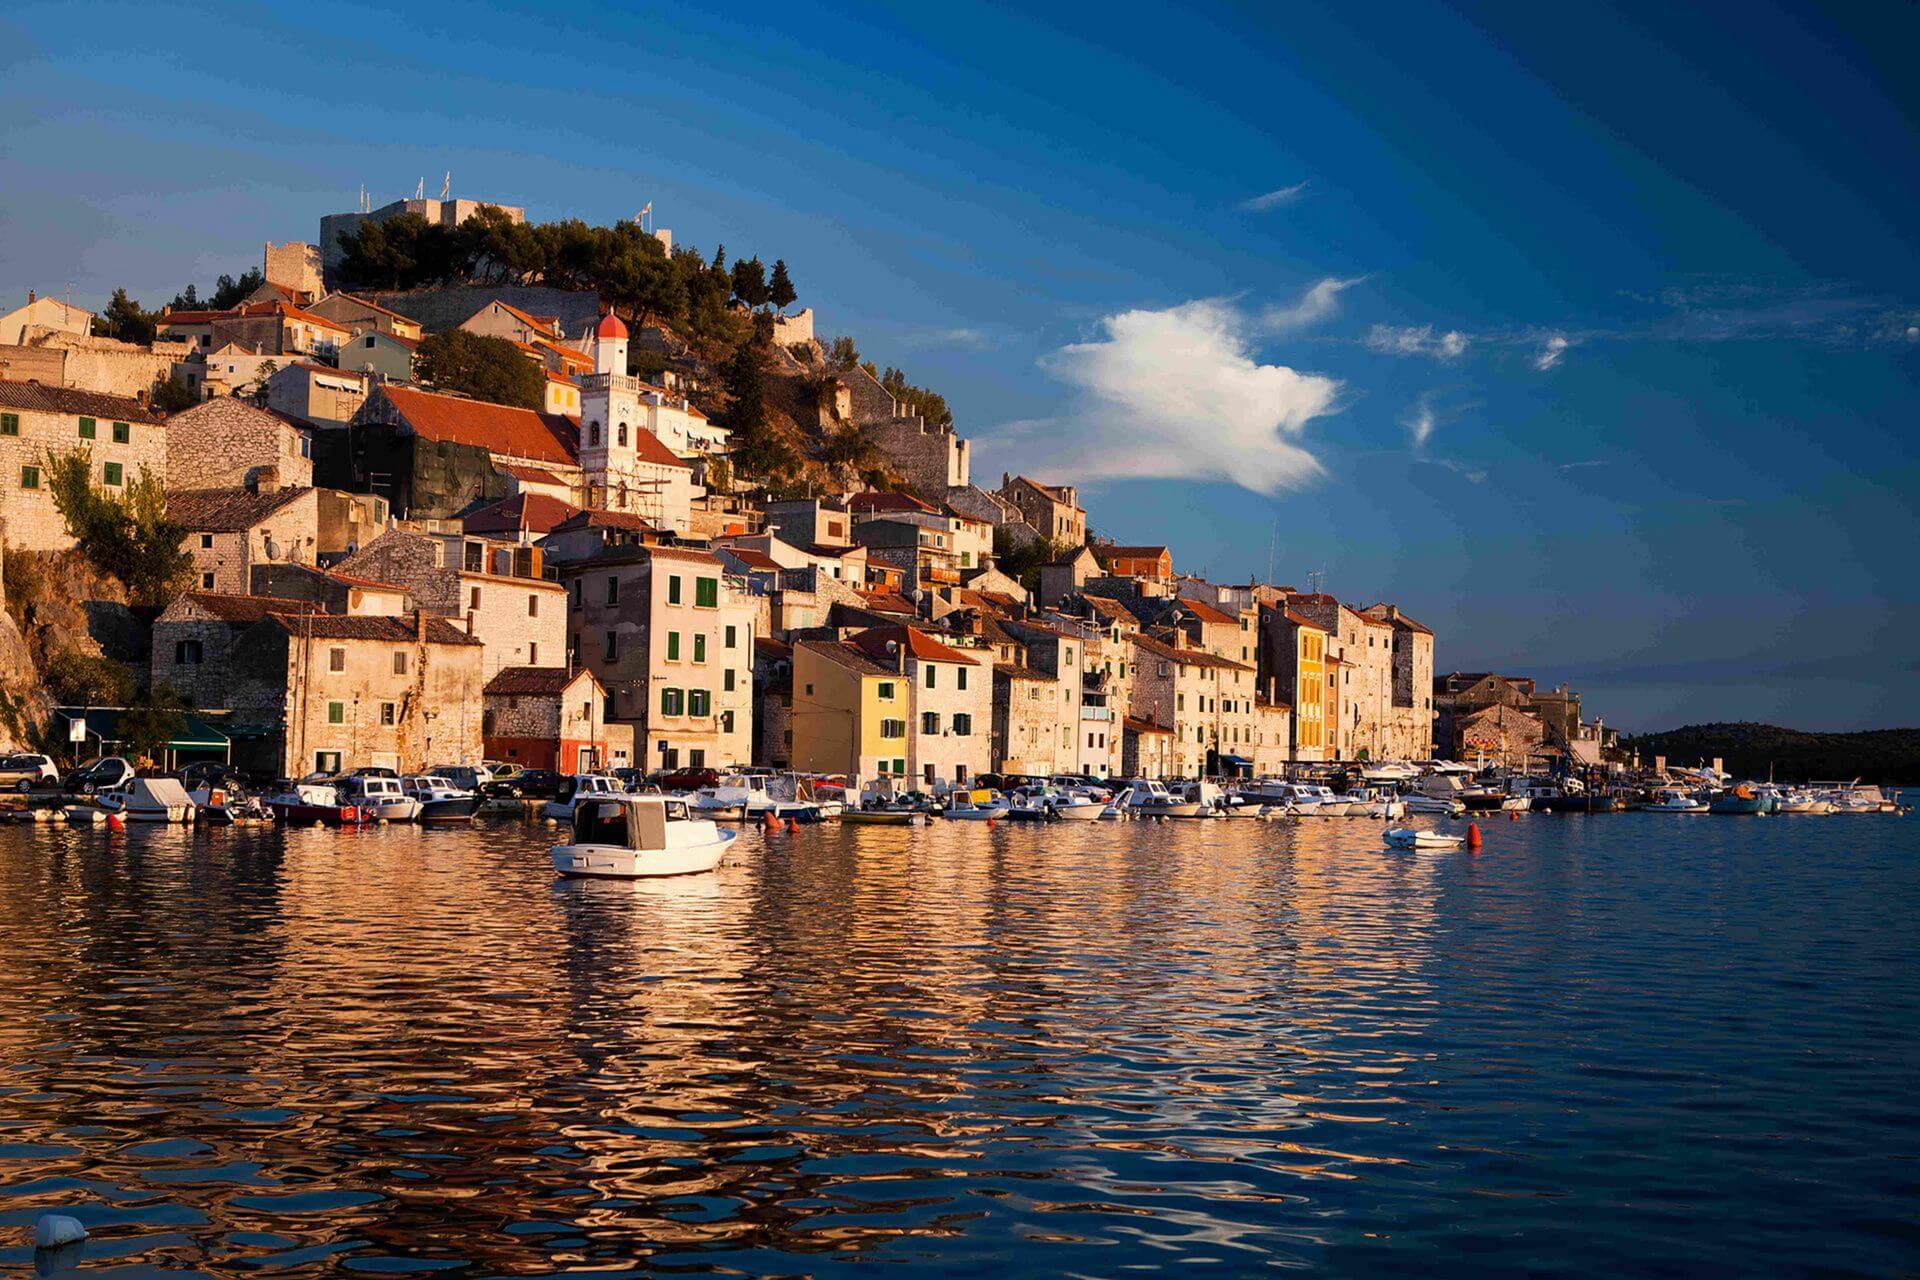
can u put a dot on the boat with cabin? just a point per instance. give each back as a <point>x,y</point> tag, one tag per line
<point>442,801</point>
<point>629,837</point>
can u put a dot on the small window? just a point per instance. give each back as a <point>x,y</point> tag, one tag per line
<point>613,647</point>
<point>673,646</point>
<point>706,592</point>
<point>473,598</point>
<point>122,433</point>
<point>963,725</point>
<point>29,477</point>
<point>9,424</point>
<point>533,653</point>
<point>399,662</point>
<point>673,588</point>
<point>933,673</point>
<point>726,680</point>
<point>326,761</point>
<point>962,673</point>
<point>336,659</point>
<point>206,582</point>
<point>87,429</point>
<point>533,606</point>
<point>672,702</point>
<point>206,542</point>
<point>186,653</point>
<point>885,690</point>
<point>112,474</point>
<point>731,638</point>
<point>613,589</point>
<point>387,714</point>
<point>699,647</point>
<point>699,702</point>
<point>336,711</point>
<point>623,435</point>
<point>930,722</point>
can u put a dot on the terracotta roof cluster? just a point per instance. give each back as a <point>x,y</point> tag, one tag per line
<point>600,518</point>
<point>1104,552</point>
<point>35,397</point>
<point>759,560</point>
<point>1191,657</point>
<point>881,601</point>
<point>532,681</point>
<point>331,626</point>
<point>1206,612</point>
<point>874,641</point>
<point>227,510</point>
<point>531,475</point>
<point>498,428</point>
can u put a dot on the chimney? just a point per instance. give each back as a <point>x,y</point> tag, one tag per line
<point>29,297</point>
<point>263,480</point>
<point>419,626</point>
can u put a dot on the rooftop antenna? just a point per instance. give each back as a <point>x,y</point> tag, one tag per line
<point>1313,581</point>
<point>1273,549</point>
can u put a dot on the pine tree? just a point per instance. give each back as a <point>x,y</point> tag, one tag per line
<point>780,290</point>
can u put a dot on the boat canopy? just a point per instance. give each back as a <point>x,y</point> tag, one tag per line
<point>626,822</point>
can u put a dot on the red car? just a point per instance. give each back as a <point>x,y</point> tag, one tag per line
<point>687,780</point>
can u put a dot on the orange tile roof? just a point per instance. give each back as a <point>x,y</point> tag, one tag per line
<point>541,325</point>
<point>1206,612</point>
<point>534,512</point>
<point>291,313</point>
<point>1190,657</point>
<point>875,500</point>
<point>499,428</point>
<point>873,642</point>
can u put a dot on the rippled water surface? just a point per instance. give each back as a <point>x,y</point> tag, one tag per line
<point>1616,1045</point>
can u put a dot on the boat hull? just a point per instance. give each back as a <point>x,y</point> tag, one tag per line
<point>606,862</point>
<point>327,815</point>
<point>860,818</point>
<point>450,810</point>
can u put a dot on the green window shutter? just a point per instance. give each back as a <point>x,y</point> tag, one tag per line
<point>111,473</point>
<point>673,588</point>
<point>29,477</point>
<point>699,647</point>
<point>9,424</point>
<point>122,433</point>
<point>706,592</point>
<point>673,646</point>
<point>336,713</point>
<point>86,428</point>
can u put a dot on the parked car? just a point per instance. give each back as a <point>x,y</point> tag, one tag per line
<point>631,779</point>
<point>467,777</point>
<point>537,784</point>
<point>98,775</point>
<point>687,779</point>
<point>212,774</point>
<point>24,772</point>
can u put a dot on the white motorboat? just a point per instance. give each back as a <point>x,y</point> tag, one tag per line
<point>749,796</point>
<point>1076,805</point>
<point>1805,802</point>
<point>148,800</point>
<point>976,806</point>
<point>1389,771</point>
<point>576,789</point>
<point>630,837</point>
<point>1371,802</point>
<point>382,797</point>
<point>1445,806</point>
<point>1413,838</point>
<point>441,799</point>
<point>1673,800</point>
<point>1147,798</point>
<point>1314,800</point>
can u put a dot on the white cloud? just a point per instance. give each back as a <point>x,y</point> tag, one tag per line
<point>1316,304</point>
<point>1277,199</point>
<point>1466,470</point>
<point>1417,340</point>
<point>1550,354</point>
<point>1176,393</point>
<point>1420,421</point>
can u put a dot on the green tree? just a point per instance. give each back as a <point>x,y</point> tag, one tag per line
<point>842,355</point>
<point>485,368</point>
<point>780,288</point>
<point>127,535</point>
<point>229,293</point>
<point>172,396</point>
<point>77,679</point>
<point>928,404</point>
<point>124,319</point>
<point>750,283</point>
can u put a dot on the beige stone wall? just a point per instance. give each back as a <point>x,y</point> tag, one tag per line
<point>294,265</point>
<point>522,621</point>
<point>1026,726</point>
<point>224,561</point>
<point>945,752</point>
<point>434,706</point>
<point>228,443</point>
<point>32,521</point>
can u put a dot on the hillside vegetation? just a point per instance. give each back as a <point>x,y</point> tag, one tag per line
<point>1885,756</point>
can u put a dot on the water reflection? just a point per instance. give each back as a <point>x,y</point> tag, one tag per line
<point>1086,1049</point>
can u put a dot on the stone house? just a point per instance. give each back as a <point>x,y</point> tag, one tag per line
<point>1146,750</point>
<point>546,718</point>
<point>949,733</point>
<point>1497,734</point>
<point>849,713</point>
<point>1154,564</point>
<point>43,315</point>
<point>671,640</point>
<point>433,456</point>
<point>806,522</point>
<point>317,393</point>
<point>57,358</point>
<point>329,590</point>
<point>295,268</point>
<point>501,319</point>
<point>925,556</point>
<point>1052,511</point>
<point>123,436</point>
<point>1207,702</point>
<point>496,592</point>
<point>1026,727</point>
<point>585,534</point>
<point>274,328</point>
<point>1410,709</point>
<point>1059,654</point>
<point>1359,702</point>
<point>358,316</point>
<point>390,357</point>
<point>1223,634</point>
<point>227,443</point>
<point>311,691</point>
<point>193,640</point>
<point>230,370</point>
<point>229,530</point>
<point>1062,579</point>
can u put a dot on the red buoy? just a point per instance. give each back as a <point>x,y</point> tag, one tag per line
<point>1513,815</point>
<point>792,825</point>
<point>1473,835</point>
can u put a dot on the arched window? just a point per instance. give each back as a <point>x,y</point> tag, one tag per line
<point>623,435</point>
<point>593,433</point>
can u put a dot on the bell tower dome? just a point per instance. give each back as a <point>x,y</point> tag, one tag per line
<point>610,345</point>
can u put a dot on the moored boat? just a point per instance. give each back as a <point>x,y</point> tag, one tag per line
<point>630,837</point>
<point>441,801</point>
<point>1414,838</point>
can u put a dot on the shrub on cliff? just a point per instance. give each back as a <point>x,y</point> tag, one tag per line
<point>484,368</point>
<point>125,535</point>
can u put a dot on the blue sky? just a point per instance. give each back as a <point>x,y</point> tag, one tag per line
<point>1591,337</point>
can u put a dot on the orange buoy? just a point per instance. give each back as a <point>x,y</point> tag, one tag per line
<point>792,825</point>
<point>989,821</point>
<point>1473,835</point>
<point>116,823</point>
<point>1513,815</point>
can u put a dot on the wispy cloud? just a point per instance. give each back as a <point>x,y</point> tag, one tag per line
<point>1424,417</point>
<point>1465,470</point>
<point>1316,304</point>
<point>1177,392</point>
<point>961,337</point>
<point>1417,340</point>
<point>1551,352</point>
<point>1276,199</point>
<point>1583,464</point>
<point>1420,421</point>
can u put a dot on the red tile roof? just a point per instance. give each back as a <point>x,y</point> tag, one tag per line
<point>231,608</point>
<point>499,428</point>
<point>754,559</point>
<point>253,309</point>
<point>38,398</point>
<point>875,500</point>
<point>1190,657</point>
<point>532,475</point>
<point>534,512</point>
<point>533,681</point>
<point>330,626</point>
<point>648,447</point>
<point>1144,726</point>
<point>873,642</point>
<point>227,510</point>
<point>1104,552</point>
<point>848,656</point>
<point>598,517</point>
<point>1206,612</point>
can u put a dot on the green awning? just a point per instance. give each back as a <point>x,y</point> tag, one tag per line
<point>103,723</point>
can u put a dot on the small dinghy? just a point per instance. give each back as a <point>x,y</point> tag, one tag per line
<point>627,837</point>
<point>1411,838</point>
<point>883,818</point>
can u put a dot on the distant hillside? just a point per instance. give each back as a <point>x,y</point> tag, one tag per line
<point>1748,750</point>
